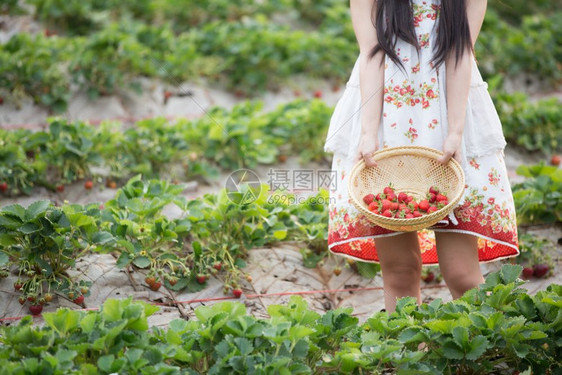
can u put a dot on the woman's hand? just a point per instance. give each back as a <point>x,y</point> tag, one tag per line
<point>452,148</point>
<point>368,144</point>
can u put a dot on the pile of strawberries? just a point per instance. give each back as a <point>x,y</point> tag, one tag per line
<point>404,206</point>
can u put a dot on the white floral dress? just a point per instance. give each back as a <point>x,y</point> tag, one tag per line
<point>415,113</point>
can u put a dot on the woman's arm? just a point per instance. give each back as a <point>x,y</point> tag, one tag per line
<point>458,83</point>
<point>371,75</point>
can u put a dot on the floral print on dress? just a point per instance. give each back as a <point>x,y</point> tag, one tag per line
<point>405,94</point>
<point>424,40</point>
<point>422,11</point>
<point>493,177</point>
<point>411,134</point>
<point>473,163</point>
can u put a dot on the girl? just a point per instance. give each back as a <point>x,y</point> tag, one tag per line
<point>416,82</point>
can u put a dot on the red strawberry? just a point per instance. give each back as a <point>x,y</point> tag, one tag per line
<point>424,205</point>
<point>35,309</point>
<point>368,198</point>
<point>60,188</point>
<point>403,197</point>
<point>17,286</point>
<point>432,198</point>
<point>373,206</point>
<point>237,292</point>
<point>392,197</point>
<point>21,300</point>
<point>167,95</point>
<point>410,198</point>
<point>431,209</point>
<point>201,278</point>
<point>409,216</point>
<point>217,266</point>
<point>428,277</point>
<point>417,213</point>
<point>528,272</point>
<point>539,270</point>
<point>385,205</point>
<point>156,286</point>
<point>150,280</point>
<point>393,206</point>
<point>555,160</point>
<point>413,205</point>
<point>379,197</point>
<point>434,190</point>
<point>387,213</point>
<point>1,100</point>
<point>79,300</point>
<point>88,185</point>
<point>388,190</point>
<point>317,94</point>
<point>3,187</point>
<point>440,197</point>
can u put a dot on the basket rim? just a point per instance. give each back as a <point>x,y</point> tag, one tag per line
<point>428,219</point>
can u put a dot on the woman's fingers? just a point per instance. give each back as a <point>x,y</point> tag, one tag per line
<point>370,160</point>
<point>445,158</point>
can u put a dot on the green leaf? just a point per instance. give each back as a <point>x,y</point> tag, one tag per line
<point>141,261</point>
<point>63,321</point>
<point>35,209</point>
<point>244,345</point>
<point>88,322</point>
<point>280,234</point>
<point>478,345</point>
<point>102,238</point>
<point>29,228</point>
<point>105,362</point>
<point>452,351</point>
<point>15,210</point>
<point>510,272</point>
<point>4,258</point>
<point>460,336</point>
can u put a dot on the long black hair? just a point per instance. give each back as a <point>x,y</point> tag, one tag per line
<point>394,18</point>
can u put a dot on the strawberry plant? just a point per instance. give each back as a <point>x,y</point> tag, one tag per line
<point>42,242</point>
<point>70,150</point>
<point>285,130</point>
<point>18,172</point>
<point>535,256</point>
<point>538,199</point>
<point>536,126</point>
<point>145,238</point>
<point>30,67</point>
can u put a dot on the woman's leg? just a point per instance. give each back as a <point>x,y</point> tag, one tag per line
<point>401,263</point>
<point>458,261</point>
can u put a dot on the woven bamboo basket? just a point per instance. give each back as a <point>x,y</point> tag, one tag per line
<point>410,169</point>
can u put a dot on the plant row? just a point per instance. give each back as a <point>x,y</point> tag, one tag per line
<point>244,136</point>
<point>229,140</point>
<point>212,236</point>
<point>245,56</point>
<point>495,328</point>
<point>238,45</point>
